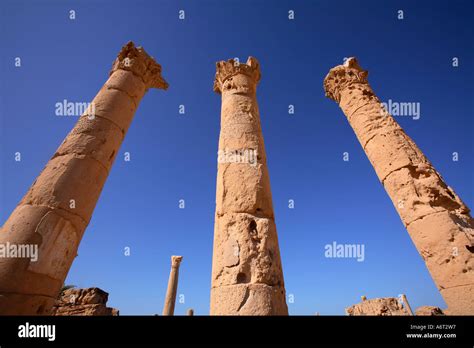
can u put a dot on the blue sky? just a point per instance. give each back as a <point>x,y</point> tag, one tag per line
<point>174,156</point>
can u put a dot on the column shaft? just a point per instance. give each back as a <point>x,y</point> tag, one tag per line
<point>172,289</point>
<point>247,276</point>
<point>406,304</point>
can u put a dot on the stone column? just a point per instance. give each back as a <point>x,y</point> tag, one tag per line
<point>406,304</point>
<point>437,220</point>
<point>56,210</point>
<point>247,276</point>
<point>170,298</point>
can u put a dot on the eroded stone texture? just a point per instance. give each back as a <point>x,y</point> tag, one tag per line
<point>247,276</point>
<point>437,220</point>
<point>58,207</point>
<point>378,306</point>
<point>170,298</point>
<point>429,310</point>
<point>83,302</point>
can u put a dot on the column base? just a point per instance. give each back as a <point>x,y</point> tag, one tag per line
<point>459,300</point>
<point>24,304</point>
<point>248,299</point>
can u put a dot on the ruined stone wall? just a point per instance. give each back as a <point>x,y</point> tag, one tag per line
<point>378,306</point>
<point>83,302</point>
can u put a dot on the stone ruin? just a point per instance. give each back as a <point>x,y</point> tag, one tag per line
<point>247,275</point>
<point>429,310</point>
<point>81,302</point>
<point>386,306</point>
<point>378,306</point>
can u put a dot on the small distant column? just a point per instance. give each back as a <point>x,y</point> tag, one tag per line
<point>406,304</point>
<point>170,298</point>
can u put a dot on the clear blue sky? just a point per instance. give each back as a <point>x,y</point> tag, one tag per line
<point>174,156</point>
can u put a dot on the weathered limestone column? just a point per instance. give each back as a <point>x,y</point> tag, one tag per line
<point>170,298</point>
<point>437,220</point>
<point>56,210</point>
<point>247,276</point>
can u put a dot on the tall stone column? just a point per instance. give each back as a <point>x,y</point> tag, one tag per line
<point>56,210</point>
<point>247,276</point>
<point>437,220</point>
<point>170,298</point>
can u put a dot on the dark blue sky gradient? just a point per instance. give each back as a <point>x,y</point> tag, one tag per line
<point>174,156</point>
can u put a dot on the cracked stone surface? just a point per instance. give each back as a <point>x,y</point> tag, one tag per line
<point>429,310</point>
<point>438,222</point>
<point>56,210</point>
<point>247,276</point>
<point>83,302</point>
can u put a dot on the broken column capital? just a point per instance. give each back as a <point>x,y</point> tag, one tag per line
<point>226,69</point>
<point>176,260</point>
<point>136,60</point>
<point>343,76</point>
